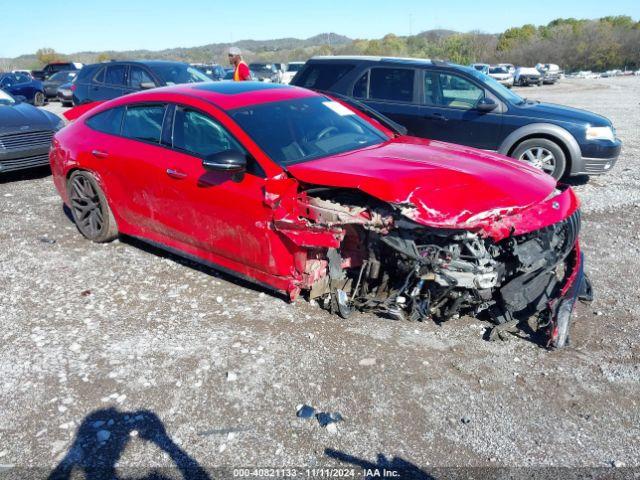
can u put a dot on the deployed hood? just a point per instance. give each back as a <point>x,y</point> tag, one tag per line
<point>14,118</point>
<point>439,184</point>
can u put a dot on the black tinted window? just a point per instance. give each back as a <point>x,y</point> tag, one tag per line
<point>144,123</point>
<point>361,88</point>
<point>137,76</point>
<point>320,76</point>
<point>199,134</point>
<point>108,121</point>
<point>115,75</point>
<point>100,76</point>
<point>391,84</point>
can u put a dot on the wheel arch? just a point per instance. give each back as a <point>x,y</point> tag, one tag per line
<point>562,137</point>
<point>101,184</point>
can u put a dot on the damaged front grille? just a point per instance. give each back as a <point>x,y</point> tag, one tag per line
<point>539,268</point>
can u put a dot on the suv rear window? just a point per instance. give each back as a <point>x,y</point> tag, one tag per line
<point>394,84</point>
<point>115,75</point>
<point>321,76</point>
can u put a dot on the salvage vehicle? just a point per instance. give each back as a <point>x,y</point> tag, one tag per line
<point>51,85</point>
<point>444,101</point>
<point>303,194</point>
<point>501,75</point>
<point>264,72</point>
<point>550,72</point>
<point>104,81</point>
<point>525,76</point>
<point>481,67</point>
<point>21,84</point>
<point>53,68</point>
<point>25,134</point>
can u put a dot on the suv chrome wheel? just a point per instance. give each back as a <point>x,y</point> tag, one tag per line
<point>540,158</point>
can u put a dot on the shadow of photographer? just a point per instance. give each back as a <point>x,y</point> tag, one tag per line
<point>104,435</point>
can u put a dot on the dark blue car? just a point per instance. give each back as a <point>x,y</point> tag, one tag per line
<point>448,102</point>
<point>104,81</point>
<point>21,84</point>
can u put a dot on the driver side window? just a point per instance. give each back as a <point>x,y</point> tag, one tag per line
<point>453,91</point>
<point>200,135</point>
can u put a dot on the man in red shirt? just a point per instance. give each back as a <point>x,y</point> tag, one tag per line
<point>241,72</point>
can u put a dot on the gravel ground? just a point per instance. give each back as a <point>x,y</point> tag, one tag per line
<point>104,346</point>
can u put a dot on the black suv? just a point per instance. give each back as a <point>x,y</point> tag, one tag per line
<point>53,68</point>
<point>444,101</point>
<point>104,81</point>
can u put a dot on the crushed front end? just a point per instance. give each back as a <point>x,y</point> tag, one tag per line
<point>515,267</point>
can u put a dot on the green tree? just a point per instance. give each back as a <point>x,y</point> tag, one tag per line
<point>48,55</point>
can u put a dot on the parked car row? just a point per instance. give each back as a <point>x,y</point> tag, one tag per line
<point>508,75</point>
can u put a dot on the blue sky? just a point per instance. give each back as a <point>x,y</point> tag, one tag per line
<point>71,26</point>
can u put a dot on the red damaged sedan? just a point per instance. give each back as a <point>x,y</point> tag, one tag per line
<point>303,193</point>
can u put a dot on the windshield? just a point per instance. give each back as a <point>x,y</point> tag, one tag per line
<point>176,73</point>
<point>503,91</point>
<point>6,99</point>
<point>495,70</point>
<point>296,131</point>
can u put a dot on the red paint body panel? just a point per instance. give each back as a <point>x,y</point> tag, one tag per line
<point>446,186</point>
<point>254,226</point>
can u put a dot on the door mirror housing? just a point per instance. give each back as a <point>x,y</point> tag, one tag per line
<point>486,105</point>
<point>147,85</point>
<point>231,161</point>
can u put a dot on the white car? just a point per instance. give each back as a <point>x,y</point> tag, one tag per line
<point>526,76</point>
<point>509,66</point>
<point>501,75</point>
<point>290,72</point>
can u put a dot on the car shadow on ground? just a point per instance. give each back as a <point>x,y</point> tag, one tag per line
<point>102,438</point>
<point>195,265</point>
<point>30,174</point>
<point>577,181</point>
<point>395,467</point>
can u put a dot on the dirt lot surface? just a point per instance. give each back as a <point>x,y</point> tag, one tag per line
<point>105,346</point>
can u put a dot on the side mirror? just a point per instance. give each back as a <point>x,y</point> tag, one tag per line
<point>147,85</point>
<point>231,161</point>
<point>486,105</point>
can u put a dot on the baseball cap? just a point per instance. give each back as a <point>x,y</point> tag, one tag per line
<point>235,51</point>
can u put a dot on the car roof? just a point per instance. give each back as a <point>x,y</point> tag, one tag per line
<point>229,95</point>
<point>148,63</point>
<point>368,58</point>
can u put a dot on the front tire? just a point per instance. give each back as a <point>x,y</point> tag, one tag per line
<point>91,212</point>
<point>543,154</point>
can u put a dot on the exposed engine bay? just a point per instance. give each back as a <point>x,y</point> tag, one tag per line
<point>388,264</point>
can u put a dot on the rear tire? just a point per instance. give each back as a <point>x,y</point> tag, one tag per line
<point>39,98</point>
<point>543,154</point>
<point>89,207</point>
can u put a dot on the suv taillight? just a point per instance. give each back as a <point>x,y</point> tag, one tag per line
<point>73,88</point>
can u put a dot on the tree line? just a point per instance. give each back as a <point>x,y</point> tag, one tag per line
<point>574,44</point>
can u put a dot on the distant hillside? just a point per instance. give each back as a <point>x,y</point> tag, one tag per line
<point>574,44</point>
<point>282,49</point>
